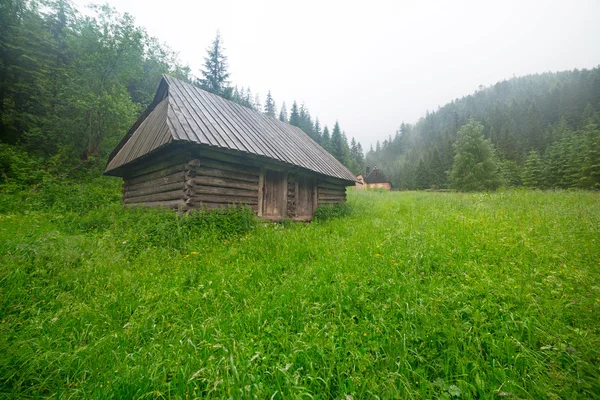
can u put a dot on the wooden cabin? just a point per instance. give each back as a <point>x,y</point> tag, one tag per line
<point>192,149</point>
<point>373,179</point>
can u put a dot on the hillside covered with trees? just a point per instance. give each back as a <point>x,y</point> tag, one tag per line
<point>544,132</point>
<point>72,85</point>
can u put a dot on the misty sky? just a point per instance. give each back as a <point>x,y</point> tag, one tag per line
<point>373,64</point>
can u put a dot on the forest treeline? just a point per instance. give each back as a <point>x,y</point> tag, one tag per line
<point>71,85</point>
<point>543,131</point>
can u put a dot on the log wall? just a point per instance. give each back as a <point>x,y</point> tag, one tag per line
<point>209,179</point>
<point>330,191</point>
<point>220,183</point>
<point>159,182</point>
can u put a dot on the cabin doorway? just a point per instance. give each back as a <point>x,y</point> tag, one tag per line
<point>274,195</point>
<point>305,198</point>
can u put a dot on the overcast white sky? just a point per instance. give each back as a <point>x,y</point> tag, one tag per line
<point>373,64</point>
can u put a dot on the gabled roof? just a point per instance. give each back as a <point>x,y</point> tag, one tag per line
<point>183,113</point>
<point>376,176</point>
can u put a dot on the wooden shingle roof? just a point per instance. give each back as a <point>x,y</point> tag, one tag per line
<point>183,113</point>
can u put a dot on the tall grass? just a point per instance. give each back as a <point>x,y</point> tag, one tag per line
<point>400,295</point>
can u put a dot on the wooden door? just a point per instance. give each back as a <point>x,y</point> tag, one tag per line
<point>305,198</point>
<point>274,193</point>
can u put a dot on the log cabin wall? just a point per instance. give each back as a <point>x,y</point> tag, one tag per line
<point>203,178</point>
<point>158,182</point>
<point>330,191</point>
<point>221,183</point>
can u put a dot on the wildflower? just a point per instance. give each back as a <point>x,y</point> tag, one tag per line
<point>377,255</point>
<point>195,253</point>
<point>186,256</point>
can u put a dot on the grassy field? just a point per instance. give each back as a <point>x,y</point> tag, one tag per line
<point>411,295</point>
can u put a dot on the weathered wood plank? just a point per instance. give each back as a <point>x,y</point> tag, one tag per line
<point>199,189</point>
<point>211,206</point>
<point>330,192</point>
<point>177,177</point>
<point>172,195</point>
<point>331,201</point>
<point>150,165</point>
<point>153,189</point>
<point>221,182</point>
<point>219,173</point>
<point>165,204</point>
<point>155,175</point>
<point>208,198</point>
<point>227,166</point>
<point>326,185</point>
<point>242,159</point>
<point>332,198</point>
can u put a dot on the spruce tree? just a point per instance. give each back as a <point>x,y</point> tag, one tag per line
<point>283,115</point>
<point>337,145</point>
<point>533,176</point>
<point>590,173</point>
<point>475,166</point>
<point>422,176</point>
<point>295,115</point>
<point>270,105</point>
<point>436,170</point>
<point>317,130</point>
<point>326,141</point>
<point>214,72</point>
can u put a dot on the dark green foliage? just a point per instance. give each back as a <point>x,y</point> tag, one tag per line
<point>70,86</point>
<point>533,171</point>
<point>214,72</point>
<point>475,166</point>
<point>339,145</point>
<point>270,108</point>
<point>283,115</point>
<point>294,115</point>
<point>422,176</point>
<point>590,172</point>
<point>548,113</point>
<point>437,173</point>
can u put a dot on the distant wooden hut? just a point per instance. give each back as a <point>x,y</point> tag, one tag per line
<point>373,179</point>
<point>193,149</point>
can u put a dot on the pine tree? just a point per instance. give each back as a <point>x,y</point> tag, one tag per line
<point>317,131</point>
<point>270,108</point>
<point>422,176</point>
<point>360,158</point>
<point>337,145</point>
<point>436,170</point>
<point>214,73</point>
<point>283,115</point>
<point>295,115</point>
<point>590,172</point>
<point>326,141</point>
<point>475,166</point>
<point>533,171</point>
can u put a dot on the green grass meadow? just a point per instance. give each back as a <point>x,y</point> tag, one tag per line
<point>410,295</point>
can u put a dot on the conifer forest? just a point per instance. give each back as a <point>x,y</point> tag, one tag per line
<point>71,85</point>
